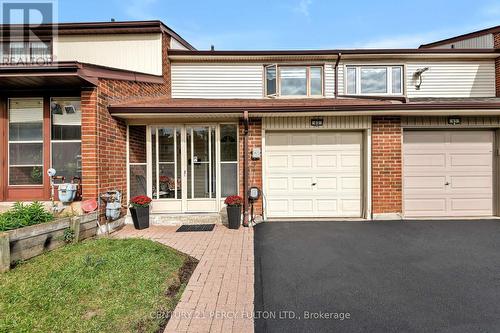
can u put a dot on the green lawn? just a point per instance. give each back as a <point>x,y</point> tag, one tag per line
<point>105,285</point>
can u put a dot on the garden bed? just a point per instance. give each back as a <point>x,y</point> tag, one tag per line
<point>28,242</point>
<point>99,285</point>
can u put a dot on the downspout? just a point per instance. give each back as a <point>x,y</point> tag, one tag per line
<point>339,55</point>
<point>245,168</point>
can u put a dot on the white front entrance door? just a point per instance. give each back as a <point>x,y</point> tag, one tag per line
<point>183,169</point>
<point>313,174</point>
<point>448,173</point>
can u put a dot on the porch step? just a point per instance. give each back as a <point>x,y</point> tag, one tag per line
<point>179,219</point>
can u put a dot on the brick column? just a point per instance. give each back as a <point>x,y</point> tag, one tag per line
<point>386,167</point>
<point>255,167</point>
<point>496,39</point>
<point>89,144</point>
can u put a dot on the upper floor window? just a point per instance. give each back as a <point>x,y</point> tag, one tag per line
<point>374,80</point>
<point>294,81</point>
<point>21,52</point>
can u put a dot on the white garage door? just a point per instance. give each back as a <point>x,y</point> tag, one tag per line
<point>448,173</point>
<point>313,174</point>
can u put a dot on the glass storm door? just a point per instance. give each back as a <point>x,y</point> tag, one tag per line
<point>166,180</point>
<point>183,172</point>
<point>201,191</point>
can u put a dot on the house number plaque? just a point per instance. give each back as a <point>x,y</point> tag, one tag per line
<point>316,122</point>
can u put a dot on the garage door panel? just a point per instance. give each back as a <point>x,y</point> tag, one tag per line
<point>278,184</point>
<point>350,207</point>
<point>471,205</point>
<point>481,183</point>
<point>424,182</point>
<point>300,139</point>
<point>278,161</point>
<point>326,206</point>
<point>302,205</point>
<point>301,161</point>
<point>351,183</point>
<point>277,140</point>
<point>326,159</point>
<point>278,207</point>
<point>424,160</point>
<point>422,207</point>
<point>349,160</point>
<point>326,183</point>
<point>326,139</point>
<point>302,184</point>
<point>472,138</point>
<point>454,177</point>
<point>471,160</point>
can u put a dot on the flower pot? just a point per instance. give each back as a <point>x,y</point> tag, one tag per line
<point>234,216</point>
<point>140,216</point>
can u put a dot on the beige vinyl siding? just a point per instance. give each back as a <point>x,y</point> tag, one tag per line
<point>217,81</point>
<point>176,45</point>
<point>329,123</point>
<point>442,122</point>
<point>329,80</point>
<point>480,42</point>
<point>134,52</point>
<point>473,78</point>
<point>452,79</point>
<point>230,80</point>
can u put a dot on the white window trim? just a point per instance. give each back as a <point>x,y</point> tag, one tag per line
<point>27,141</point>
<point>389,79</point>
<point>63,141</point>
<point>308,81</point>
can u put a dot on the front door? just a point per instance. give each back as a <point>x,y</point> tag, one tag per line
<point>183,171</point>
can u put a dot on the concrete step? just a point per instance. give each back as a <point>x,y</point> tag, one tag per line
<point>179,219</point>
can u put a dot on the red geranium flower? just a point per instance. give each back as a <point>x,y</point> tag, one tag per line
<point>140,201</point>
<point>233,200</point>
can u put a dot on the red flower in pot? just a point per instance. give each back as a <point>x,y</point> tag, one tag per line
<point>139,209</point>
<point>233,208</point>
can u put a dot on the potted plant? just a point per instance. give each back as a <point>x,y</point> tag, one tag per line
<point>139,208</point>
<point>233,204</point>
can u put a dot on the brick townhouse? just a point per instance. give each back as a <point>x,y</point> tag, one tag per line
<point>368,133</point>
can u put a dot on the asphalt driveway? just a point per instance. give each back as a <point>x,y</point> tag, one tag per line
<point>439,276</point>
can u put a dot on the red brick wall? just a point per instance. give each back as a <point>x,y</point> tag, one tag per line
<point>104,137</point>
<point>386,165</point>
<point>255,167</point>
<point>497,64</point>
<point>137,144</point>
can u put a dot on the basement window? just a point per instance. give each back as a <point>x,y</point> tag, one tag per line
<point>374,80</point>
<point>293,81</point>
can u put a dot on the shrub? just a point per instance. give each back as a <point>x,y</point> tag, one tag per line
<point>22,215</point>
<point>233,200</point>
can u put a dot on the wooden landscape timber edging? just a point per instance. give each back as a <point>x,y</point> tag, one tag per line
<point>28,242</point>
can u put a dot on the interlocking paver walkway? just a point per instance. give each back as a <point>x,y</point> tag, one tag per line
<point>219,296</point>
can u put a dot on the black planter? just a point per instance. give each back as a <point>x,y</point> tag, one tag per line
<point>234,216</point>
<point>140,216</point>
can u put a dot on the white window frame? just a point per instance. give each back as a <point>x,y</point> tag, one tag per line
<point>63,141</point>
<point>25,141</point>
<point>308,81</point>
<point>237,162</point>
<point>388,69</point>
